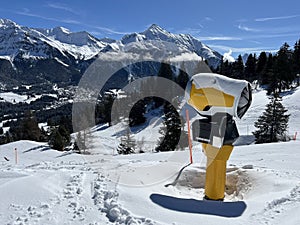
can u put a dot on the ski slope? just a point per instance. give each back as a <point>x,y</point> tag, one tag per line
<point>51,187</point>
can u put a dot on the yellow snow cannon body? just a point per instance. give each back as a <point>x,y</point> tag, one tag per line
<point>217,99</point>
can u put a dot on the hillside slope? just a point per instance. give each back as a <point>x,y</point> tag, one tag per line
<point>50,187</point>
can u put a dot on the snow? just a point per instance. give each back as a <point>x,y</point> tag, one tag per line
<point>52,187</point>
<point>166,40</point>
<point>290,102</point>
<point>186,57</point>
<point>5,57</point>
<point>228,57</point>
<point>222,83</point>
<point>16,98</point>
<point>13,97</point>
<point>258,105</point>
<point>61,62</point>
<point>38,42</point>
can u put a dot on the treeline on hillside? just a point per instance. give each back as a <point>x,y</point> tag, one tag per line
<point>277,72</point>
<point>59,121</point>
<point>27,128</point>
<point>105,103</point>
<point>172,129</point>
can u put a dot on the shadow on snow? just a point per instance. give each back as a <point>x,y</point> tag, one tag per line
<point>215,208</point>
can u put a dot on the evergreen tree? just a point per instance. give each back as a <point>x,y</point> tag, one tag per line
<point>66,123</point>
<point>3,139</point>
<point>44,135</point>
<point>50,122</point>
<point>128,143</point>
<point>238,68</point>
<point>56,140</point>
<point>107,104</point>
<point>182,78</point>
<point>26,129</point>
<point>30,126</point>
<point>226,68</point>
<point>296,60</point>
<point>165,71</point>
<point>250,65</point>
<point>137,113</point>
<point>172,131</point>
<point>64,133</point>
<point>272,124</point>
<point>59,138</point>
<point>270,78</point>
<point>283,68</point>
<point>261,67</point>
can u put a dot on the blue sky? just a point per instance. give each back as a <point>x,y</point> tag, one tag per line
<point>238,26</point>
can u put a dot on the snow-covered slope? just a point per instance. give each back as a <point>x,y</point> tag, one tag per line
<point>16,39</point>
<point>79,43</point>
<point>290,100</point>
<point>28,55</point>
<point>37,42</point>
<point>22,40</point>
<point>163,39</point>
<point>51,187</point>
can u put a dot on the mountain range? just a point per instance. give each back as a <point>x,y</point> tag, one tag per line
<point>36,55</point>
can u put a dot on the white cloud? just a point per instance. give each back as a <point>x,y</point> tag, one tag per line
<point>276,18</point>
<point>219,38</point>
<point>63,7</point>
<point>108,30</point>
<point>104,30</point>
<point>208,19</point>
<point>245,28</point>
<point>269,34</point>
<point>227,56</point>
<point>224,48</point>
<point>26,12</point>
<point>186,56</point>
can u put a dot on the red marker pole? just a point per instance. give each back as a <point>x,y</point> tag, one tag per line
<point>189,135</point>
<point>16,155</point>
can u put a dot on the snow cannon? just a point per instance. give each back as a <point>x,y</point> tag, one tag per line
<point>210,93</point>
<point>218,99</point>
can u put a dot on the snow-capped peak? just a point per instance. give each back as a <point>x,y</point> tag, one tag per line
<point>108,40</point>
<point>62,29</point>
<point>156,32</point>
<point>155,29</point>
<point>183,41</point>
<point>42,43</point>
<point>64,35</point>
<point>37,42</point>
<point>7,23</point>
